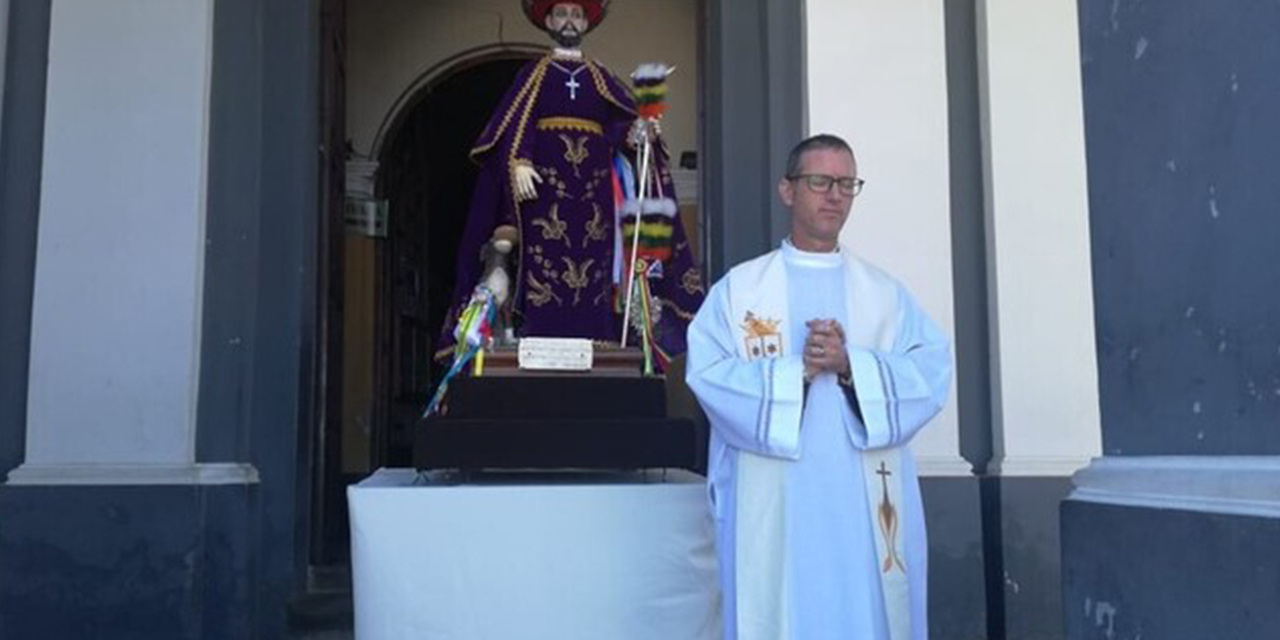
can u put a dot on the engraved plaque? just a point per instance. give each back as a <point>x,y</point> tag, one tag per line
<point>555,354</point>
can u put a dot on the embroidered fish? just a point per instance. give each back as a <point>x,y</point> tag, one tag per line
<point>888,524</point>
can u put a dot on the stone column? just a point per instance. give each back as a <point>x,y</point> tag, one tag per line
<point>1044,378</point>
<point>890,102</point>
<point>119,266</point>
<point>1044,367</point>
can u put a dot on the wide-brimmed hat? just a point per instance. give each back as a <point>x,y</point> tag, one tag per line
<point>536,11</point>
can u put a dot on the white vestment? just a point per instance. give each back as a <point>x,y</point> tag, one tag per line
<point>799,485</point>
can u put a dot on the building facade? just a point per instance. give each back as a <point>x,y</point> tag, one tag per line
<point>1077,192</point>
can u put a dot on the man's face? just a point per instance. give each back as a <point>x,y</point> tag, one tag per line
<point>816,218</point>
<point>566,22</point>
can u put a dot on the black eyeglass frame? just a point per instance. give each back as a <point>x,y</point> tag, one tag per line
<point>848,186</point>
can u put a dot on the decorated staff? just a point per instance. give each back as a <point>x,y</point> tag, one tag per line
<point>650,81</point>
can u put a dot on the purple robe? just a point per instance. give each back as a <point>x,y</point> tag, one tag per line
<point>567,118</point>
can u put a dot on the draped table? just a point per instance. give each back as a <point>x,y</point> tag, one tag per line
<point>544,555</point>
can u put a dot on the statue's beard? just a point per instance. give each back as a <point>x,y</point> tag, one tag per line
<point>568,37</point>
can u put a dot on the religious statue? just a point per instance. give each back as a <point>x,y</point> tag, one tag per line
<point>557,173</point>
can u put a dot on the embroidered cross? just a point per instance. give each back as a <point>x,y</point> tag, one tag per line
<point>573,85</point>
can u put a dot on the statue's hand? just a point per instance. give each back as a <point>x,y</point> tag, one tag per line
<point>524,178</point>
<point>642,129</point>
<point>639,131</point>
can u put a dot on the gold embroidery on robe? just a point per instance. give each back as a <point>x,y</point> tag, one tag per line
<point>530,92</point>
<point>569,123</point>
<point>589,188</point>
<point>595,227</point>
<point>540,293</point>
<point>553,228</point>
<point>551,176</point>
<point>529,89</point>
<point>685,315</point>
<point>691,282</point>
<point>575,277</point>
<point>598,77</point>
<point>575,151</point>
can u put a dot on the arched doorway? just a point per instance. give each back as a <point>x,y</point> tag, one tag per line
<point>427,179</point>
<point>389,298</point>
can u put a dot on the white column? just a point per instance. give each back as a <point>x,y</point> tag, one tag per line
<point>877,77</point>
<point>1044,363</point>
<point>117,305</point>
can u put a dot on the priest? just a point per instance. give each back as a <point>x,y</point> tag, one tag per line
<point>816,369</point>
<point>554,164</point>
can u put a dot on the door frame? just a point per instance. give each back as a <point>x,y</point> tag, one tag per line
<point>753,106</point>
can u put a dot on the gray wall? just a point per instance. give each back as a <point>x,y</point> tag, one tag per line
<point>165,561</point>
<point>280,325</point>
<point>21,149</point>
<point>754,97</point>
<point>1024,570</point>
<point>958,601</point>
<point>1183,141</point>
<point>1169,574</point>
<point>1183,147</point>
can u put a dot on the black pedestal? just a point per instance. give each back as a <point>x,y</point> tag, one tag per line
<point>556,422</point>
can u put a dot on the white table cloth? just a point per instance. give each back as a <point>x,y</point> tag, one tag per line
<point>513,557</point>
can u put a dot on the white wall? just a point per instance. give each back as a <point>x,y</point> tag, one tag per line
<point>1044,359</point>
<point>877,77</point>
<point>114,344</point>
<point>391,43</point>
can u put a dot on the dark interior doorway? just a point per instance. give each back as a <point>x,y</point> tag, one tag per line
<point>389,295</point>
<point>427,178</point>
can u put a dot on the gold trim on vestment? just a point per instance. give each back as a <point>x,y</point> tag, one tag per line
<point>535,84</point>
<point>684,315</point>
<point>603,88</point>
<point>532,82</point>
<point>568,123</point>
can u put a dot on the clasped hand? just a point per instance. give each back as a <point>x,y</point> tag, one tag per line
<point>824,349</point>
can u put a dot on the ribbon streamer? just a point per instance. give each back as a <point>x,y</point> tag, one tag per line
<point>472,333</point>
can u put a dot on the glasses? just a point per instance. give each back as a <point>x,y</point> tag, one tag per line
<point>821,183</point>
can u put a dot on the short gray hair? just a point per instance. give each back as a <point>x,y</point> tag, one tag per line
<point>814,143</point>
